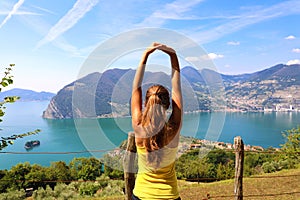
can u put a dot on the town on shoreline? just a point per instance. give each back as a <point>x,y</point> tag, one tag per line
<point>188,143</point>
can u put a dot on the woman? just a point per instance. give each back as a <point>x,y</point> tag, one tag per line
<point>156,136</point>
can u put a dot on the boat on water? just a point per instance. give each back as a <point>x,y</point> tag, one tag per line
<point>30,144</point>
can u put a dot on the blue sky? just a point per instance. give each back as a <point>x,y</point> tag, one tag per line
<point>50,40</point>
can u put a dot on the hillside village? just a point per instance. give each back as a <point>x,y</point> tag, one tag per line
<point>264,96</point>
<point>189,143</point>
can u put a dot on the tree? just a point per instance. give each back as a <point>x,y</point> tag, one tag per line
<point>85,168</point>
<point>60,172</point>
<point>36,177</point>
<point>292,145</point>
<point>16,177</point>
<point>113,166</point>
<point>4,82</point>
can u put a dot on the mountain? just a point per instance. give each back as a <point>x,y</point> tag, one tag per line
<point>273,88</point>
<point>280,72</point>
<point>27,95</point>
<point>98,94</point>
<point>108,93</point>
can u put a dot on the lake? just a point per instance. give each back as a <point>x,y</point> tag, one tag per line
<point>64,139</point>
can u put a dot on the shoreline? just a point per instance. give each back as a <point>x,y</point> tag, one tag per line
<point>201,111</point>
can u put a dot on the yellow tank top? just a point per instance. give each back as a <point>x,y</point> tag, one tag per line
<point>156,182</point>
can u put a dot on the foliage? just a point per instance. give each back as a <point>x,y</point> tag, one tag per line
<point>114,187</point>
<point>60,171</point>
<point>89,188</point>
<point>216,165</point>
<point>13,195</point>
<point>52,178</point>
<point>273,166</point>
<point>291,150</point>
<point>292,145</point>
<point>37,176</point>
<point>253,162</point>
<point>225,171</point>
<point>85,168</point>
<point>102,187</point>
<point>4,82</point>
<point>113,166</point>
<point>15,177</point>
<point>60,192</point>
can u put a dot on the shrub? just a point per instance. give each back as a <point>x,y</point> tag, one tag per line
<point>292,145</point>
<point>115,187</point>
<point>13,195</point>
<point>89,188</point>
<point>60,192</point>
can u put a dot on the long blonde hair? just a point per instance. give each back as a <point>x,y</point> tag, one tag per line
<point>154,121</point>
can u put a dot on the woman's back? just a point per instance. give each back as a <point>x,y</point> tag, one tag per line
<point>156,181</point>
<point>156,136</point>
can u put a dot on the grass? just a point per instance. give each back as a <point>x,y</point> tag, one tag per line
<point>283,185</point>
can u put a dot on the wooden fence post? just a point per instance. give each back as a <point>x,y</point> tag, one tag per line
<point>129,165</point>
<point>239,167</point>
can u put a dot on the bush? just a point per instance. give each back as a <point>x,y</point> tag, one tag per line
<point>114,187</point>
<point>60,192</point>
<point>13,195</point>
<point>89,188</point>
<point>292,145</point>
<point>286,164</point>
<point>273,166</point>
<point>225,171</point>
<point>85,168</point>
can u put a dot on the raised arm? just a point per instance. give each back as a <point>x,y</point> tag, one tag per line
<point>176,91</point>
<point>136,96</point>
<point>177,110</point>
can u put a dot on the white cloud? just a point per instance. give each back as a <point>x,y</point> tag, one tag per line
<point>12,12</point>
<point>80,8</point>
<point>296,50</point>
<point>19,13</point>
<point>290,37</point>
<point>212,56</point>
<point>233,43</point>
<point>44,10</point>
<point>174,10</point>
<point>209,56</point>
<point>293,62</point>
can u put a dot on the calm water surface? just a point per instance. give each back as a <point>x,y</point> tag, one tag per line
<point>67,135</point>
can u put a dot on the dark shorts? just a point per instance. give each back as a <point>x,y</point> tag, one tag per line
<point>136,198</point>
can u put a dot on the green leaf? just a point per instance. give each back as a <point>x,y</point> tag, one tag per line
<point>11,99</point>
<point>2,113</point>
<point>10,81</point>
<point>4,84</point>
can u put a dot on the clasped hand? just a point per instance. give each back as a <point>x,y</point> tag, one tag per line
<point>155,45</point>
